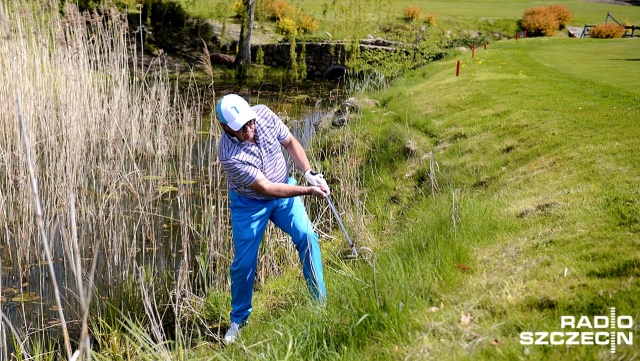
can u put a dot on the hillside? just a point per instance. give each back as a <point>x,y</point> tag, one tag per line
<point>537,214</point>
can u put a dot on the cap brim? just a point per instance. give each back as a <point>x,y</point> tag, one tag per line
<point>238,123</point>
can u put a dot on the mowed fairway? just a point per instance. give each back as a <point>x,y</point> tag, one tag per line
<point>548,132</point>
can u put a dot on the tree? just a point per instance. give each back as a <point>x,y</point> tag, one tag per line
<point>243,58</point>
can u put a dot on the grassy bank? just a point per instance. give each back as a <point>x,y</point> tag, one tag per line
<point>537,213</point>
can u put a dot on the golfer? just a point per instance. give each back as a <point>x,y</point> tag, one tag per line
<point>260,190</point>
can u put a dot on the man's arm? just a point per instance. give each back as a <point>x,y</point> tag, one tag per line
<point>299,156</point>
<point>283,190</point>
<point>297,153</point>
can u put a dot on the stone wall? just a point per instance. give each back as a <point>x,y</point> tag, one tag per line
<point>319,57</point>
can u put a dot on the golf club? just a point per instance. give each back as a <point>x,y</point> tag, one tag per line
<point>335,212</point>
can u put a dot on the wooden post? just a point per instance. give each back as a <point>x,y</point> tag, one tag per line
<point>517,35</point>
<point>473,51</point>
<point>458,68</point>
<point>485,45</point>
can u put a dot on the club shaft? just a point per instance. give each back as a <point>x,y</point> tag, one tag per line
<point>335,212</point>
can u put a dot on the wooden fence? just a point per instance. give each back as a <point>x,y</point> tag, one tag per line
<point>632,34</point>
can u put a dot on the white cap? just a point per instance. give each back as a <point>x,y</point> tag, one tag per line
<point>234,111</point>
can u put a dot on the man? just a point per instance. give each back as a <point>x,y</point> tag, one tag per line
<point>260,190</point>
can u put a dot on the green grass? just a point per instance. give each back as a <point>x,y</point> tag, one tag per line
<point>536,154</point>
<point>550,138</point>
<point>583,11</point>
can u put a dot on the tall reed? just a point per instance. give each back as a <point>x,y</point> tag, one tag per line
<point>124,174</point>
<point>133,198</point>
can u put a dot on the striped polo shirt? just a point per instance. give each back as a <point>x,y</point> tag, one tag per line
<point>244,161</point>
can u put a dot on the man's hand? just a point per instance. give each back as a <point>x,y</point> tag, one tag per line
<point>317,180</point>
<point>320,191</point>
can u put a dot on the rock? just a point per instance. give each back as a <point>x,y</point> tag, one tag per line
<point>343,120</point>
<point>339,121</point>
<point>346,112</point>
<point>220,58</point>
<point>324,121</point>
<point>354,105</point>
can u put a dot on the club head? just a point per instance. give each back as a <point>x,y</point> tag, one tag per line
<point>348,254</point>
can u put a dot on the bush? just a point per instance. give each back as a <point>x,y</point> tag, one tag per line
<point>430,19</point>
<point>607,31</point>
<point>307,23</point>
<point>287,26</point>
<point>546,20</point>
<point>278,9</point>
<point>197,29</point>
<point>168,20</point>
<point>561,13</point>
<point>540,21</point>
<point>412,13</point>
<point>238,7</point>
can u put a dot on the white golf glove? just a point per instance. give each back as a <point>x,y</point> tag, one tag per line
<point>315,179</point>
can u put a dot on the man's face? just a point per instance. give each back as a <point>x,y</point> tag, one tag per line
<point>246,133</point>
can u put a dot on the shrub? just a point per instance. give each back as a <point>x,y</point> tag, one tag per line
<point>561,13</point>
<point>260,56</point>
<point>607,31</point>
<point>238,7</point>
<point>278,9</point>
<point>168,20</point>
<point>307,23</point>
<point>412,13</point>
<point>197,29</point>
<point>540,21</point>
<point>287,26</point>
<point>430,19</point>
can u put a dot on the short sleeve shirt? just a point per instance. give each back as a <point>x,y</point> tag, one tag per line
<point>244,161</point>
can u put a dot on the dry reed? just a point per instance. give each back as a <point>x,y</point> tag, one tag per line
<point>127,176</point>
<point>123,175</point>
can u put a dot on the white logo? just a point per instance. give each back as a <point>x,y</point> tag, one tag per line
<point>610,330</point>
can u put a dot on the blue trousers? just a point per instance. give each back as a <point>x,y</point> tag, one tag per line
<point>249,219</point>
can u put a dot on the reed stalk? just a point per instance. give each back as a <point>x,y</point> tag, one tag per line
<point>40,221</point>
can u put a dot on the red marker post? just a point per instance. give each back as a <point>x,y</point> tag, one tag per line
<point>525,33</point>
<point>473,51</point>
<point>485,45</point>
<point>517,36</point>
<point>458,68</point>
